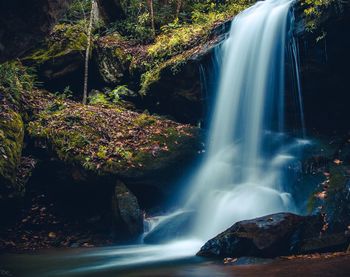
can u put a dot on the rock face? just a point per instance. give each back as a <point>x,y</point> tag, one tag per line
<point>24,23</point>
<point>267,236</point>
<point>112,61</point>
<point>174,87</point>
<point>127,214</point>
<point>324,61</point>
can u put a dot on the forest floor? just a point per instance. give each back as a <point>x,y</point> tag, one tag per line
<point>41,224</point>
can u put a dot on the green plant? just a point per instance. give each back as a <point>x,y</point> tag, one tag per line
<point>98,98</point>
<point>67,93</point>
<point>16,79</point>
<point>115,94</point>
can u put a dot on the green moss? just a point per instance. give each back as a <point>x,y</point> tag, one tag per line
<point>121,55</point>
<point>66,38</point>
<point>106,139</point>
<point>177,42</point>
<point>144,120</point>
<point>11,143</point>
<point>153,75</point>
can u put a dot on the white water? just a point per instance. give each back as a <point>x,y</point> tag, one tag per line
<point>241,176</point>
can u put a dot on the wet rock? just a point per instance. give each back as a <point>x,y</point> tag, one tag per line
<point>127,214</point>
<point>324,61</point>
<point>178,90</point>
<point>268,236</point>
<point>325,243</point>
<point>171,228</point>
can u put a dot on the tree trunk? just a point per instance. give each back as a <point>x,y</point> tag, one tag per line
<point>87,53</point>
<point>178,7</point>
<point>150,5</point>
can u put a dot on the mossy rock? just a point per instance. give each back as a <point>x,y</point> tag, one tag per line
<point>110,140</point>
<point>112,59</point>
<point>11,144</point>
<point>60,58</point>
<point>65,38</point>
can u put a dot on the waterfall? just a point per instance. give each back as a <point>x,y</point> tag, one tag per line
<point>242,174</point>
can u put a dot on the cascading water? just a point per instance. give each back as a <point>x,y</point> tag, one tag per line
<point>241,176</point>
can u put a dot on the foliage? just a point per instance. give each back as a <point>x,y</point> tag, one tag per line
<point>66,94</point>
<point>167,15</point>
<point>15,79</point>
<point>137,29</point>
<point>116,94</point>
<point>98,98</point>
<point>113,96</point>
<point>77,10</point>
<point>315,11</point>
<point>11,142</point>
<point>171,44</point>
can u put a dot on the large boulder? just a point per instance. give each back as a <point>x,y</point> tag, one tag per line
<point>274,235</point>
<point>109,140</point>
<point>24,23</point>
<point>128,216</point>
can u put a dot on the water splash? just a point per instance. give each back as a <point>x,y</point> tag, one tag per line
<point>242,175</point>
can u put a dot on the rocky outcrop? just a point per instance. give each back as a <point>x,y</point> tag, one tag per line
<point>113,60</point>
<point>24,23</point>
<point>324,62</point>
<point>128,217</point>
<point>60,58</point>
<point>274,235</point>
<point>172,86</point>
<point>109,140</point>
